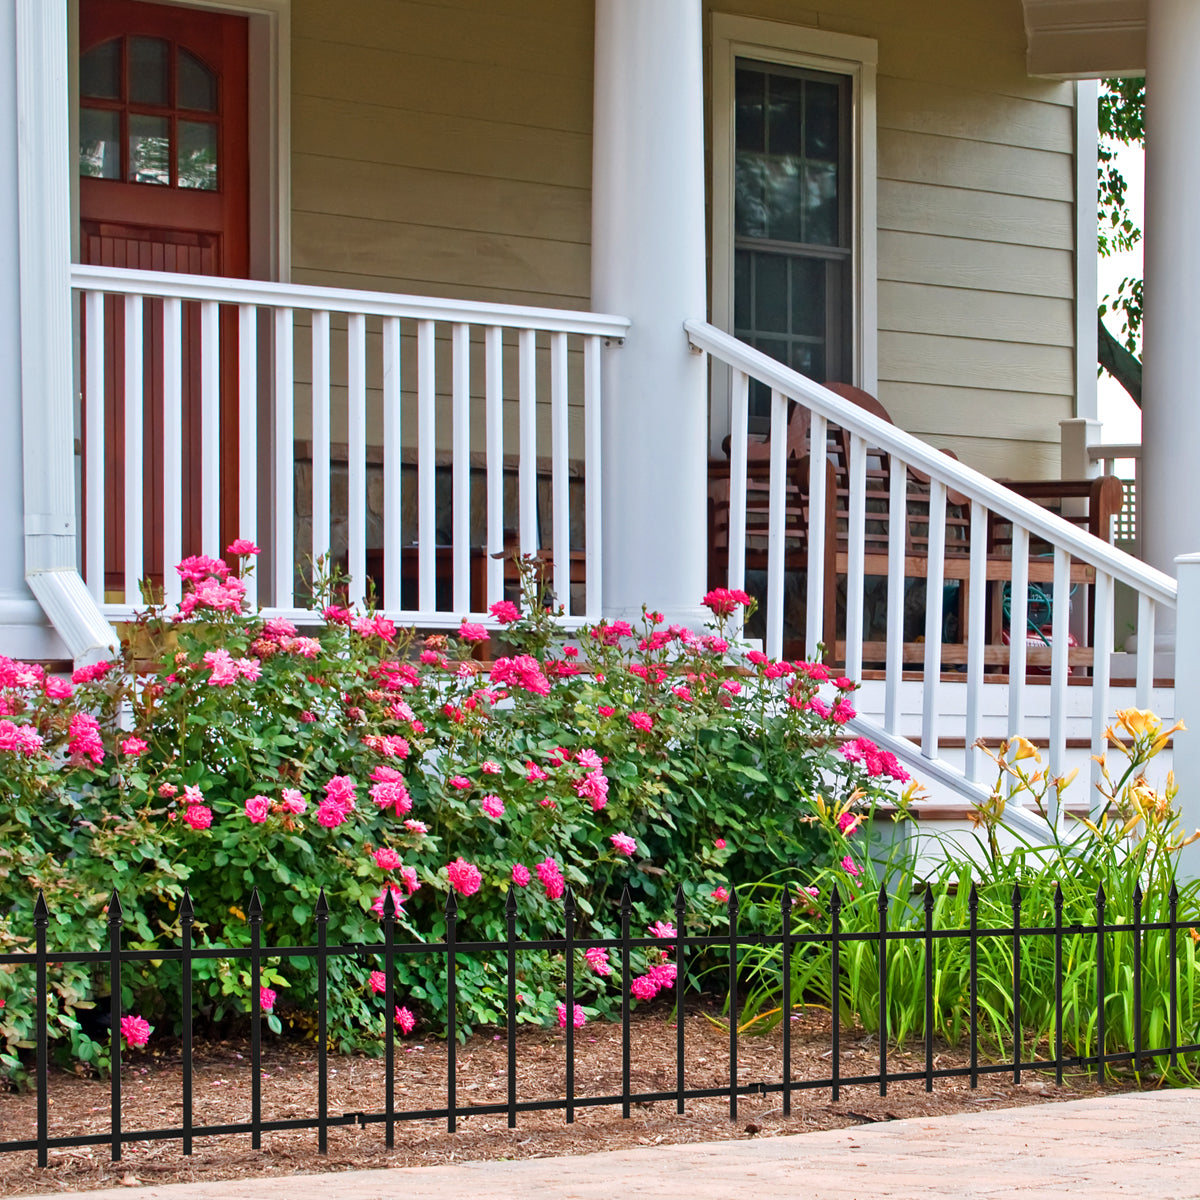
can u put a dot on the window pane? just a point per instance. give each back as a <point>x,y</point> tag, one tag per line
<point>809,359</point>
<point>149,149</point>
<point>821,120</point>
<point>782,199</point>
<point>784,114</point>
<point>742,304</point>
<point>770,293</point>
<point>99,143</point>
<point>808,296</point>
<point>148,71</point>
<point>100,71</point>
<point>750,85</point>
<point>197,85</point>
<point>821,203</point>
<point>197,161</point>
<point>749,200</point>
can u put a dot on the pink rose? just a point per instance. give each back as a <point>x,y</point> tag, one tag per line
<point>465,878</point>
<point>198,816</point>
<point>257,808</point>
<point>623,843</point>
<point>136,1030</point>
<point>521,875</point>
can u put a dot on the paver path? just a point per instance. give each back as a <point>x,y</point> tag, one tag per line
<point>1144,1145</point>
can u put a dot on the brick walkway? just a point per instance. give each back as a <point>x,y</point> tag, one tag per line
<point>1143,1145</point>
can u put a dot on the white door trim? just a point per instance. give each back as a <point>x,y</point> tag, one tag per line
<point>736,37</point>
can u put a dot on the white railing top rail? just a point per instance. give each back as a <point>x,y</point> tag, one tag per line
<point>163,284</point>
<point>976,486</point>
<point>1106,451</point>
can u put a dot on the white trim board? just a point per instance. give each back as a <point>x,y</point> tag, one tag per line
<point>1087,265</point>
<point>839,54</point>
<point>270,146</point>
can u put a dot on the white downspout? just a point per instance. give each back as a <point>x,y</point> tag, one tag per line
<point>47,386</point>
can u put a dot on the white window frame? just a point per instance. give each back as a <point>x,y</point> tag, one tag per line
<point>270,149</point>
<point>736,37</point>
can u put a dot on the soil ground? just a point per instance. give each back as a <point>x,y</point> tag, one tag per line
<point>151,1099</point>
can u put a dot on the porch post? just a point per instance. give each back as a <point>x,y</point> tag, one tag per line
<point>648,264</point>
<point>1168,503</point>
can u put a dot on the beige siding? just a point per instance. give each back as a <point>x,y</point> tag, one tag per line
<point>444,147</point>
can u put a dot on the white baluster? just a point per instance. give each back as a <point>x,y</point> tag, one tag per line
<point>527,467</point>
<point>776,524</point>
<point>461,468</point>
<point>210,428</point>
<point>426,468</point>
<point>248,435</point>
<point>977,585</point>
<point>1017,629</point>
<point>285,473</point>
<point>591,467</point>
<point>738,467</point>
<point>173,450</point>
<point>936,569</point>
<point>1102,644</point>
<point>1145,650</point>
<point>814,626</point>
<point>94,443</point>
<point>559,467</point>
<point>320,436</point>
<point>393,466</point>
<point>856,552</point>
<point>356,346</point>
<point>493,341</point>
<point>1060,625</point>
<point>135,496</point>
<point>897,537</point>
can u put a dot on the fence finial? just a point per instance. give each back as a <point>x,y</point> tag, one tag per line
<point>510,903</point>
<point>322,909</point>
<point>835,900</point>
<point>569,900</point>
<point>1100,898</point>
<point>1058,898</point>
<point>186,911</point>
<point>973,898</point>
<point>928,898</point>
<point>1173,894</point>
<point>254,911</point>
<point>41,914</point>
<point>733,901</point>
<point>882,902</point>
<point>1016,895</point>
<point>451,906</point>
<point>389,904</point>
<point>785,899</point>
<point>626,900</point>
<point>680,899</point>
<point>1138,896</point>
<point>116,914</point>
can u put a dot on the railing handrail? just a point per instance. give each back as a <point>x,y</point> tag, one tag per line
<point>1103,451</point>
<point>169,285</point>
<point>957,476</point>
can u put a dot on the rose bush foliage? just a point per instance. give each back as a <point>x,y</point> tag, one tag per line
<point>224,751</point>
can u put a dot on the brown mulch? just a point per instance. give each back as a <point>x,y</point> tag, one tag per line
<point>151,1099</point>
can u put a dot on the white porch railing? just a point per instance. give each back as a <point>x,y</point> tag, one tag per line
<point>215,378</point>
<point>1128,532</point>
<point>1067,544</point>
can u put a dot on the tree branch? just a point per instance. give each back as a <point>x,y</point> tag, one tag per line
<point>1124,367</point>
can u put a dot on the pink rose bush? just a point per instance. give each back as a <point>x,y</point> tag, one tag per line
<point>348,755</point>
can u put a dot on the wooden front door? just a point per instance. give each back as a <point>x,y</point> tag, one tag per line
<point>164,186</point>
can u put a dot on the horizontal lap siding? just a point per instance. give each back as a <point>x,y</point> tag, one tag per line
<point>976,216</point>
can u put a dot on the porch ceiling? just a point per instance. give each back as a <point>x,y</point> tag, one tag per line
<point>1085,39</point>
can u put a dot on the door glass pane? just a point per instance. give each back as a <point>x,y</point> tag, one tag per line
<point>100,71</point>
<point>197,85</point>
<point>99,143</point>
<point>197,155</point>
<point>149,149</point>
<point>148,71</point>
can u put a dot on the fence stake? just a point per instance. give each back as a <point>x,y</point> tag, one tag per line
<point>1100,982</point>
<point>733,1003</point>
<point>929,989</point>
<point>389,1015</point>
<point>41,919</point>
<point>187,917</point>
<point>1137,977</point>
<point>451,1013</point>
<point>1058,999</point>
<point>1016,982</point>
<point>254,915</point>
<point>973,906</point>
<point>626,903</point>
<point>115,917</point>
<point>835,990</point>
<point>322,915</point>
<point>883,1020</point>
<point>510,911</point>
<point>1173,954</point>
<point>569,922</point>
<point>785,914</point>
<point>680,971</point>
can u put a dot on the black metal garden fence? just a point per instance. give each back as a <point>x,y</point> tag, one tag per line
<point>732,941</point>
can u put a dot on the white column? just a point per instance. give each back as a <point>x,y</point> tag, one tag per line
<point>1185,752</point>
<point>1168,501</point>
<point>648,264</point>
